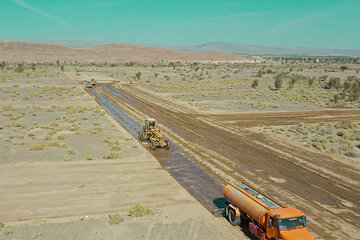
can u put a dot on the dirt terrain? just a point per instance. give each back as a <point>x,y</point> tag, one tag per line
<point>322,185</point>
<point>20,51</point>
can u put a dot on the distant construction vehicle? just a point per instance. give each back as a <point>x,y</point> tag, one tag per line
<point>267,219</point>
<point>88,84</point>
<point>93,82</point>
<point>151,132</point>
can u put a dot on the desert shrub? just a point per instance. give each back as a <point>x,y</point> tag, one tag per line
<point>57,144</point>
<point>1,225</point>
<point>115,148</point>
<point>255,83</point>
<point>323,78</point>
<point>88,157</point>
<point>19,69</point>
<point>36,146</point>
<point>73,128</point>
<point>279,79</point>
<point>319,145</point>
<point>139,210</point>
<point>138,75</point>
<point>60,137</point>
<point>343,68</point>
<point>71,152</point>
<point>333,83</point>
<point>94,130</point>
<point>110,141</point>
<point>7,107</point>
<point>346,125</point>
<point>111,155</point>
<point>115,219</point>
<point>336,98</point>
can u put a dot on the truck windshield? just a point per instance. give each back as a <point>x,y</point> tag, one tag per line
<point>292,223</point>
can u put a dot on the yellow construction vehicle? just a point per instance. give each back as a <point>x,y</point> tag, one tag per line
<point>151,132</point>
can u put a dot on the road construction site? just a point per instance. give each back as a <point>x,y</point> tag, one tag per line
<point>208,150</point>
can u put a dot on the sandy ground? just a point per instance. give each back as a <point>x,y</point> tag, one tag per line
<point>50,194</point>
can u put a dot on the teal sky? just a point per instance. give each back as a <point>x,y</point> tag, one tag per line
<point>301,23</point>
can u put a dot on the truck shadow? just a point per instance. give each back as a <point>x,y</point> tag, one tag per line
<point>220,212</point>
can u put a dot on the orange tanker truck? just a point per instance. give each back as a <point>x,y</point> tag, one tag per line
<point>267,219</point>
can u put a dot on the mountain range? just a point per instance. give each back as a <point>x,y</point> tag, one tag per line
<point>229,47</point>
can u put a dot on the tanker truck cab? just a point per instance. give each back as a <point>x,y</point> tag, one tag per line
<point>267,219</point>
<point>287,223</point>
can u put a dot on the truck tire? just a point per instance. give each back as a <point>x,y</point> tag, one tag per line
<point>232,218</point>
<point>152,145</point>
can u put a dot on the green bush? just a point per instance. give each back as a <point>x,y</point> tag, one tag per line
<point>139,210</point>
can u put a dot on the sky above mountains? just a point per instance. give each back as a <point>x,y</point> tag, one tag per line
<point>307,23</point>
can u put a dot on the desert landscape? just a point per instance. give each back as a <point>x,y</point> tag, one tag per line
<point>187,120</point>
<point>66,164</point>
<point>71,160</point>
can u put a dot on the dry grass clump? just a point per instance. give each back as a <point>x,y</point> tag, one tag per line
<point>75,109</point>
<point>61,137</point>
<point>71,152</point>
<point>2,225</point>
<point>73,128</point>
<point>115,219</point>
<point>95,130</point>
<point>115,148</point>
<point>96,124</point>
<point>36,146</point>
<point>89,158</point>
<point>8,107</point>
<point>111,155</point>
<point>57,144</point>
<point>139,210</point>
<point>110,141</point>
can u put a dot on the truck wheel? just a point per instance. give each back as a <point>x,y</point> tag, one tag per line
<point>232,218</point>
<point>153,145</point>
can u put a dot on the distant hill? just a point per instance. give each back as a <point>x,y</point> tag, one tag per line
<point>14,51</point>
<point>265,50</point>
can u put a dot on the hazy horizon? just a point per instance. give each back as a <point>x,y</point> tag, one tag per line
<point>317,24</point>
